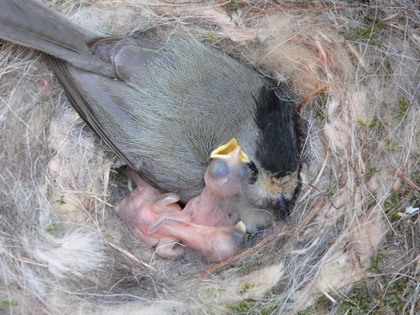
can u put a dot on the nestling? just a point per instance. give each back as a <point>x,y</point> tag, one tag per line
<point>205,224</point>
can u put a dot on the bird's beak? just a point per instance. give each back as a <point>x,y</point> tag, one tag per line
<point>230,150</point>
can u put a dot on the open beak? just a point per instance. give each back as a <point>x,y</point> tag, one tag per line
<point>230,150</point>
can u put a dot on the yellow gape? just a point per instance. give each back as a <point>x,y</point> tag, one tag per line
<point>229,149</point>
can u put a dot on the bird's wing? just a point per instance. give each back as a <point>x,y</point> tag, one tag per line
<point>88,100</point>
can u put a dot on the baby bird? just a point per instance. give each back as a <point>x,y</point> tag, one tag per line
<point>205,224</point>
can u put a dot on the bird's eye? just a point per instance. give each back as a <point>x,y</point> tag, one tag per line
<point>219,169</point>
<point>254,172</point>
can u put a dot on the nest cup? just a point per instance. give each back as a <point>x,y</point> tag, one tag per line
<point>354,67</point>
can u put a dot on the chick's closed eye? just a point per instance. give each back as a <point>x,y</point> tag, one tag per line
<point>219,169</point>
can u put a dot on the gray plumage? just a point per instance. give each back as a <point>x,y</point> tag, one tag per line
<point>162,105</point>
<point>168,108</point>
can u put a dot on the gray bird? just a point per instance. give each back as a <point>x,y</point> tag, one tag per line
<point>162,105</point>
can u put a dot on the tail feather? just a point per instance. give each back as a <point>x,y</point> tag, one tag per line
<point>32,24</point>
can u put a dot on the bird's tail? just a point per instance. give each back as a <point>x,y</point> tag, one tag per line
<point>31,24</point>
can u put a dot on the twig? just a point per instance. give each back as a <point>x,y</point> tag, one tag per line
<point>312,94</point>
<point>253,250</point>
<point>407,179</point>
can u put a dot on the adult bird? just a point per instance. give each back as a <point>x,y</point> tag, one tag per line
<point>164,104</point>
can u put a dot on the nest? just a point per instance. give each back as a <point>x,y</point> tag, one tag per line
<point>351,243</point>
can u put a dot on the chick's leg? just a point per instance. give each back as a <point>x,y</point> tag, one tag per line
<point>158,220</point>
<point>167,210</point>
<point>217,243</point>
<point>145,209</point>
<point>156,225</point>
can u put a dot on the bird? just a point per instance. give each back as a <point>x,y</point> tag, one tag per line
<point>204,224</point>
<point>164,103</point>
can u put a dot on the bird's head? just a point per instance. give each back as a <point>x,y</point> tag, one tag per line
<point>229,170</point>
<point>274,157</point>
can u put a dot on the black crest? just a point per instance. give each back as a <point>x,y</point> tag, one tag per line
<point>277,149</point>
